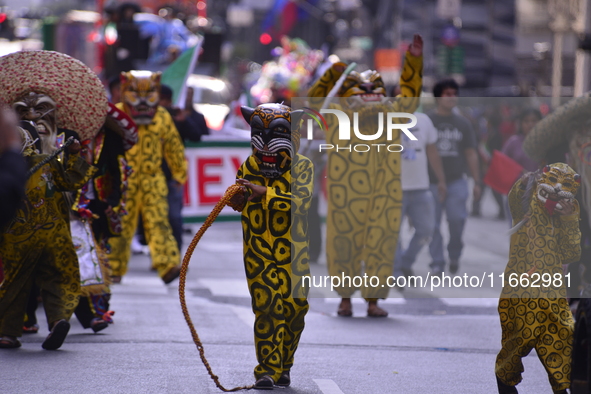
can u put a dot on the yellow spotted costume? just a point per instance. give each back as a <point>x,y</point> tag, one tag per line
<point>37,246</point>
<point>147,191</point>
<point>364,188</point>
<point>158,139</point>
<point>539,317</point>
<point>275,237</point>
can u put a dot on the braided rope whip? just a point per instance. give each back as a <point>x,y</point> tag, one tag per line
<point>225,200</point>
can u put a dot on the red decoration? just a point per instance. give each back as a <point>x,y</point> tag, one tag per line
<point>502,173</point>
<point>265,39</point>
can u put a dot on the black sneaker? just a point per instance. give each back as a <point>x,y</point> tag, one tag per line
<point>454,265</point>
<point>505,388</point>
<point>56,337</point>
<point>436,271</point>
<point>264,383</point>
<point>98,324</point>
<point>284,380</point>
<point>172,274</point>
<point>407,272</point>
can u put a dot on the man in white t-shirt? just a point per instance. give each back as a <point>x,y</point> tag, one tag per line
<point>418,202</point>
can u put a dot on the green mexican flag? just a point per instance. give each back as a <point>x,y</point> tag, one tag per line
<point>177,73</point>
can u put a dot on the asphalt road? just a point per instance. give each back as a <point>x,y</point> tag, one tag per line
<point>426,345</point>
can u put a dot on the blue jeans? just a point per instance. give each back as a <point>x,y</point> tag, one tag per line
<point>508,211</point>
<point>419,207</point>
<point>175,205</point>
<point>456,213</point>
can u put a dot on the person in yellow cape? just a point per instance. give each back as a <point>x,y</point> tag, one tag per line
<point>533,308</point>
<point>158,139</point>
<point>364,188</point>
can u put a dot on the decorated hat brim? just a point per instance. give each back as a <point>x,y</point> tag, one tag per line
<point>80,96</point>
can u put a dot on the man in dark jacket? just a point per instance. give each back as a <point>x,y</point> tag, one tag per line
<point>12,166</point>
<point>191,126</point>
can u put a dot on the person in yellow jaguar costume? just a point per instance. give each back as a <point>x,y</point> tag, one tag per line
<point>533,308</point>
<point>158,139</point>
<point>364,188</point>
<point>278,186</point>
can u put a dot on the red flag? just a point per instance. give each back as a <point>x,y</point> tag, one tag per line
<point>502,173</point>
<point>289,17</point>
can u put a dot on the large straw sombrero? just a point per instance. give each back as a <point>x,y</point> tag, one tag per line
<point>569,125</point>
<point>80,96</point>
<point>558,127</point>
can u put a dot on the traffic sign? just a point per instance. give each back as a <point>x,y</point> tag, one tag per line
<point>449,9</point>
<point>450,36</point>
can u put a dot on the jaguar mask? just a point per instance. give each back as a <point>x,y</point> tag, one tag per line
<point>140,94</point>
<point>274,142</point>
<point>363,88</point>
<point>41,110</point>
<point>557,183</point>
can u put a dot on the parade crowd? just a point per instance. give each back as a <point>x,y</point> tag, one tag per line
<point>79,174</point>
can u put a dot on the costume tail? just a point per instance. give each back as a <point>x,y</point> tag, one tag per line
<point>225,200</point>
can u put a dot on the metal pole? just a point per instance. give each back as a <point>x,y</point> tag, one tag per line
<point>582,64</point>
<point>582,57</point>
<point>490,43</point>
<point>397,20</point>
<point>557,68</point>
<point>561,23</point>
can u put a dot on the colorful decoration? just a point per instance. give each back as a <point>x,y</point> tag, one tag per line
<point>289,74</point>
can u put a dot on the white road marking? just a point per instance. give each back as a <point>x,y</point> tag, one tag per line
<point>328,386</point>
<point>140,284</point>
<point>244,314</point>
<point>239,288</point>
<point>361,301</point>
<point>226,287</point>
<point>225,247</point>
<point>477,302</point>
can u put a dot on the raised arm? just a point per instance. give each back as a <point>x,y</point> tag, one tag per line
<point>411,79</point>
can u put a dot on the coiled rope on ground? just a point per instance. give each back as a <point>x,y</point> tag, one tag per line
<point>225,200</point>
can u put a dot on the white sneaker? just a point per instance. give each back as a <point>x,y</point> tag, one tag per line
<point>136,246</point>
